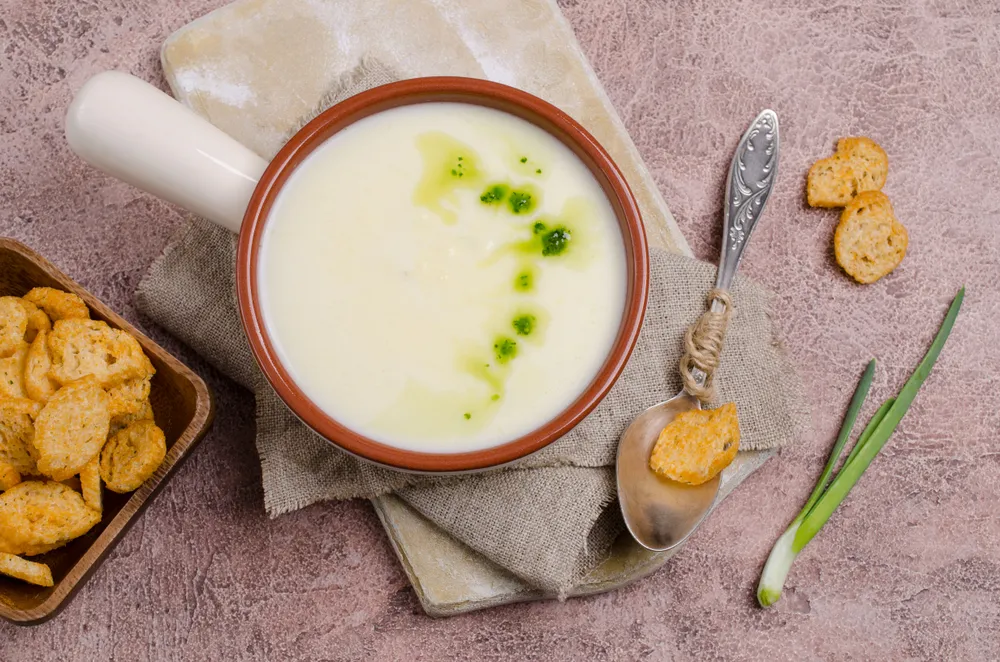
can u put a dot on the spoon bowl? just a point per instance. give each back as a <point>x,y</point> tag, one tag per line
<point>661,512</point>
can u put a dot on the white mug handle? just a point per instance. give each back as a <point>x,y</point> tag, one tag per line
<point>136,133</point>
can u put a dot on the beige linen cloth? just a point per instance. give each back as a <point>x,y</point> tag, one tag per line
<point>551,517</point>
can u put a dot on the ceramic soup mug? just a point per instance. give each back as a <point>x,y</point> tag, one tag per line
<point>437,275</point>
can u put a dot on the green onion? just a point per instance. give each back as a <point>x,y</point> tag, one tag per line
<point>824,499</point>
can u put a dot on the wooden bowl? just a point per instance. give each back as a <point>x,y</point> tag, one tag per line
<point>442,89</point>
<point>182,407</point>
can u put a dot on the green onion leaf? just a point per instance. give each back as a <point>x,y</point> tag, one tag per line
<point>872,424</point>
<point>857,401</point>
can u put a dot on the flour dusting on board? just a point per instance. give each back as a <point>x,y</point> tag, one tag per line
<point>193,81</point>
<point>484,48</point>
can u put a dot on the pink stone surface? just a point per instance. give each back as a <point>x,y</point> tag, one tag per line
<point>909,568</point>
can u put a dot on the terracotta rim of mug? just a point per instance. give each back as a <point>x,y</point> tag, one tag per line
<point>424,90</point>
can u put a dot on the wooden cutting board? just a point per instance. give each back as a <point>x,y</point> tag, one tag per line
<point>254,67</point>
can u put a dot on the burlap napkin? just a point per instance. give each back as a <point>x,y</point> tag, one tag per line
<point>549,518</point>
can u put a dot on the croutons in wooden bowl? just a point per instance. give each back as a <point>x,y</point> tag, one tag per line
<point>181,407</point>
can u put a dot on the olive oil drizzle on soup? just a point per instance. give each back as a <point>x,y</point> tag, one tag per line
<point>442,277</point>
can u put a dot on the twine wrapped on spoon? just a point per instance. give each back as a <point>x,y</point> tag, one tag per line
<point>703,345</point>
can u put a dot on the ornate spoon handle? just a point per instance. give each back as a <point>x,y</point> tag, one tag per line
<point>748,186</point>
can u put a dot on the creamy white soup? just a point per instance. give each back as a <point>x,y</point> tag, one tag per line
<point>442,277</point>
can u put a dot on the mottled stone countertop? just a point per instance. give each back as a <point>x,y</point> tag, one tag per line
<point>909,568</point>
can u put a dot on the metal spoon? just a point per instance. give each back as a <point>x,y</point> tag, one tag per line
<point>661,513</point>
